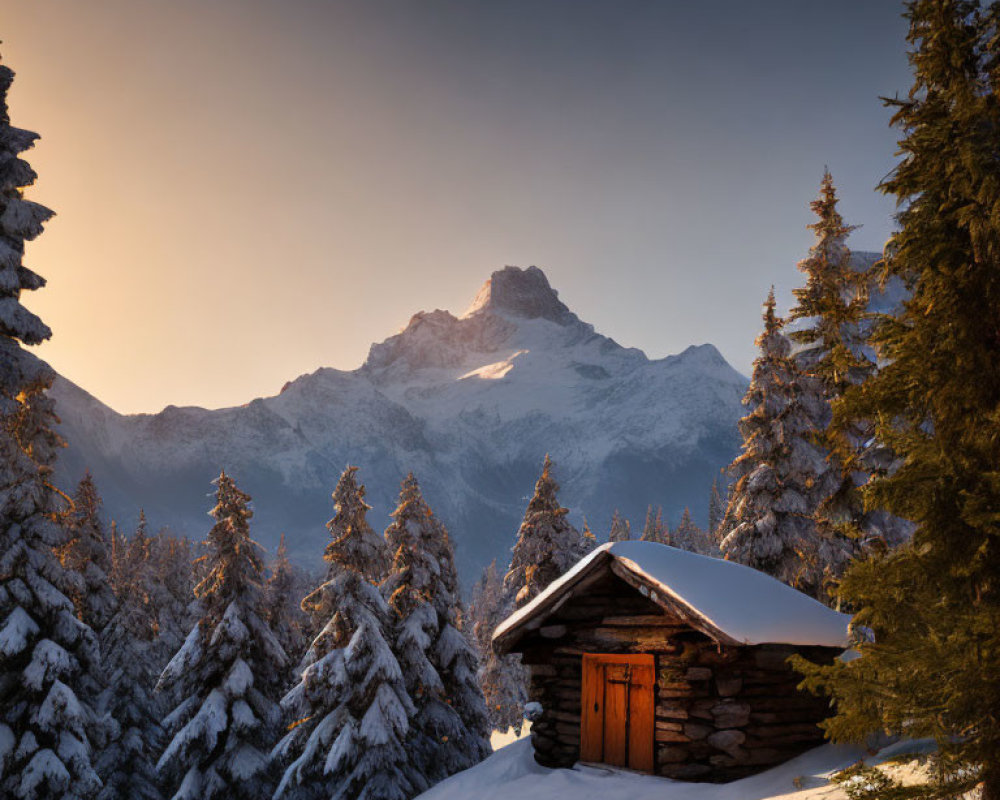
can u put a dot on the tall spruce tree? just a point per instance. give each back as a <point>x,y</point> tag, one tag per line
<point>228,672</point>
<point>485,606</point>
<point>832,303</point>
<point>351,532</point>
<point>588,542</point>
<point>621,530</point>
<point>655,529</point>
<point>780,473</point>
<point>547,544</point>
<point>932,607</point>
<point>688,536</point>
<point>351,712</point>
<point>284,604</point>
<point>716,511</point>
<point>46,729</point>
<point>501,679</point>
<point>428,645</point>
<point>87,554</point>
<point>832,351</point>
<point>118,547</point>
<point>454,654</point>
<point>127,762</point>
<point>409,588</point>
<point>173,596</point>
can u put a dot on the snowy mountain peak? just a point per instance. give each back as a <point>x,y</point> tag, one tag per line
<point>517,309</point>
<point>521,293</point>
<point>438,339</point>
<point>471,404</point>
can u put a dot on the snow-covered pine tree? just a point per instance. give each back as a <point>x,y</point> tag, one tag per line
<point>547,544</point>
<point>621,529</point>
<point>437,661</point>
<point>655,529</point>
<point>933,603</point>
<point>351,710</point>
<point>438,544</point>
<point>46,730</point>
<point>485,603</point>
<point>688,536</point>
<point>832,302</point>
<point>716,512</point>
<point>454,655</point>
<point>502,680</point>
<point>118,544</point>
<point>588,542</point>
<point>780,473</point>
<point>228,672</point>
<point>350,522</point>
<point>173,599</point>
<point>832,351</point>
<point>648,527</point>
<point>127,763</point>
<point>284,604</point>
<point>86,553</point>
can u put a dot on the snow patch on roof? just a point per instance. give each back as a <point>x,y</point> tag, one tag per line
<point>745,604</point>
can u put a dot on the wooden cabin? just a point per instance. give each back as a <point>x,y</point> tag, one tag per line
<point>655,659</point>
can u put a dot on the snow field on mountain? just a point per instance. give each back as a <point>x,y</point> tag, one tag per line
<point>470,404</point>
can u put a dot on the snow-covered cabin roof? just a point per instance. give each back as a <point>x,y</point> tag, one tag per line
<point>729,602</point>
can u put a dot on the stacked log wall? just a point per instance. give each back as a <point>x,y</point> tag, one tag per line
<point>725,713</point>
<point>555,735</point>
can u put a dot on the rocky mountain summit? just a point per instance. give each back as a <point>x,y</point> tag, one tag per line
<point>471,404</point>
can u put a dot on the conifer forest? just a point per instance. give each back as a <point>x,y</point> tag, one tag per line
<point>144,660</point>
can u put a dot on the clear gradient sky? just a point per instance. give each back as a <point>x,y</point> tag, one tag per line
<point>248,190</point>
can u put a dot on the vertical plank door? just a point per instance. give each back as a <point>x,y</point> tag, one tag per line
<point>641,716</point>
<point>592,709</point>
<point>616,707</point>
<point>617,715</point>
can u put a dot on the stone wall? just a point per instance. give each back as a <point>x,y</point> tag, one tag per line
<point>555,735</point>
<point>725,713</point>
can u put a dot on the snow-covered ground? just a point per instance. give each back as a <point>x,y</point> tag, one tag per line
<point>511,772</point>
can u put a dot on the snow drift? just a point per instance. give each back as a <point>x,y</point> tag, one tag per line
<point>512,772</point>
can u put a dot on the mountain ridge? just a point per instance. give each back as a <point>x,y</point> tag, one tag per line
<point>470,403</point>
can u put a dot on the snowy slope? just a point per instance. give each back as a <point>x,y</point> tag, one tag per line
<point>511,772</point>
<point>470,403</point>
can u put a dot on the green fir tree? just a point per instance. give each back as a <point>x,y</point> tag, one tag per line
<point>780,474</point>
<point>547,544</point>
<point>47,728</point>
<point>832,351</point>
<point>930,610</point>
<point>228,672</point>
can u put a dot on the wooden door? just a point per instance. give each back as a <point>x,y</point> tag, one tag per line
<point>617,713</point>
